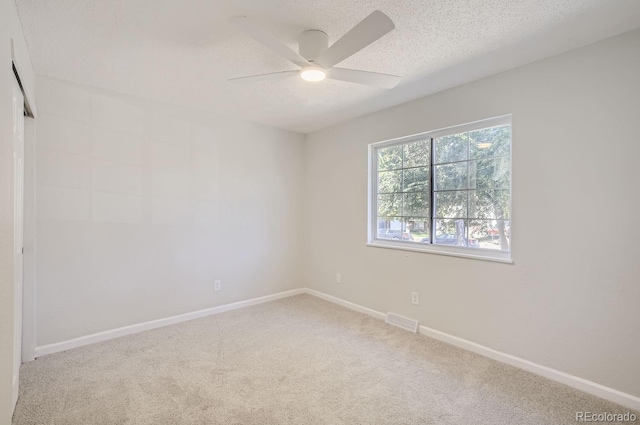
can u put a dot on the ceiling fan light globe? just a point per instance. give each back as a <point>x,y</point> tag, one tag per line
<point>313,73</point>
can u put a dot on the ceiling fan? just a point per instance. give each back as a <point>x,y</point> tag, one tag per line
<point>316,59</point>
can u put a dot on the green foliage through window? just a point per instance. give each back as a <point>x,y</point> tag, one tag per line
<point>448,190</point>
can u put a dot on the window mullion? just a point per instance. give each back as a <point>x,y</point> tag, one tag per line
<point>466,221</point>
<point>432,225</point>
<point>373,214</point>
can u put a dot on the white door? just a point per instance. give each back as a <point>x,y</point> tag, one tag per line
<point>18,208</point>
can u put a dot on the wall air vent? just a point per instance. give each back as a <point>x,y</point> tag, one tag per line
<point>402,322</point>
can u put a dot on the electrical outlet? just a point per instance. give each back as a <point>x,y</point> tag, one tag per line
<point>217,285</point>
<point>415,298</point>
<point>338,278</point>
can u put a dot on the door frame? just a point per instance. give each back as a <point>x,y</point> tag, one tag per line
<point>18,232</point>
<point>29,242</point>
<point>28,299</point>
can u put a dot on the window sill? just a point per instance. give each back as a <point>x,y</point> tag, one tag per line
<point>484,255</point>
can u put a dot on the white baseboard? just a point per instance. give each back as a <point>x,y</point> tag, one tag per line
<point>14,393</point>
<point>346,304</point>
<point>154,324</point>
<point>619,397</point>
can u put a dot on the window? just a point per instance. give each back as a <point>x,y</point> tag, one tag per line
<point>447,191</point>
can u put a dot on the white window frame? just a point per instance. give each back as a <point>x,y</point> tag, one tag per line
<point>456,251</point>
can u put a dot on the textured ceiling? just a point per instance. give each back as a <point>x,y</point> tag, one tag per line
<point>183,51</point>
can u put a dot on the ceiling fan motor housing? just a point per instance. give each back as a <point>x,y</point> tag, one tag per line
<point>312,43</point>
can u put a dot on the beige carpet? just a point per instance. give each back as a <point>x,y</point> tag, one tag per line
<point>299,360</point>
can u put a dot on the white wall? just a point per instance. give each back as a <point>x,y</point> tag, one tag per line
<point>10,27</point>
<point>140,206</point>
<point>570,301</point>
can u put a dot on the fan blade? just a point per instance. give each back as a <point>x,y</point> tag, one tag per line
<point>383,81</point>
<point>366,32</point>
<point>261,77</point>
<point>254,30</point>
